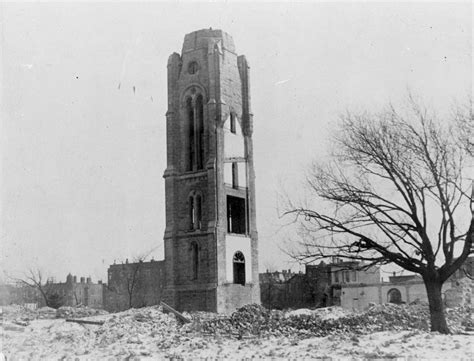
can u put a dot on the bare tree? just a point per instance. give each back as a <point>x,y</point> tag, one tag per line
<point>134,280</point>
<point>464,119</point>
<point>35,279</point>
<point>395,191</point>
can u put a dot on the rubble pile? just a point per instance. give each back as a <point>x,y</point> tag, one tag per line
<point>22,313</point>
<point>46,312</point>
<point>78,312</point>
<point>136,324</point>
<point>18,312</point>
<point>459,319</point>
<point>254,331</point>
<point>255,320</point>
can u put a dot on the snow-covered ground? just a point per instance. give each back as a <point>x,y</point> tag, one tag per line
<point>148,333</point>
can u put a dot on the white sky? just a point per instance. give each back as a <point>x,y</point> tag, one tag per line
<point>82,153</point>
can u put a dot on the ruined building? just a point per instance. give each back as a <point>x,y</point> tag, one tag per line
<point>211,246</point>
<point>74,293</point>
<point>135,284</point>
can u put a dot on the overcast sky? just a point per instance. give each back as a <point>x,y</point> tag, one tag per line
<point>83,102</point>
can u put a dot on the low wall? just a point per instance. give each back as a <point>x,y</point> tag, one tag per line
<point>359,296</point>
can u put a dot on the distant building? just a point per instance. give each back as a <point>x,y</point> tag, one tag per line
<point>18,294</point>
<point>73,293</point>
<point>274,289</point>
<point>346,273</point>
<point>135,284</point>
<point>296,290</point>
<point>69,293</point>
<point>458,290</point>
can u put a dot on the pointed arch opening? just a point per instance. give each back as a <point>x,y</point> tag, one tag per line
<point>198,212</point>
<point>195,210</point>
<point>199,132</point>
<point>192,212</point>
<point>194,131</point>
<point>190,134</point>
<point>194,260</point>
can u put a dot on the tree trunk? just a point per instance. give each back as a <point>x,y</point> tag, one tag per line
<point>437,316</point>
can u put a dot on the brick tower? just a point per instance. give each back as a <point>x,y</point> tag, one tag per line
<point>211,246</point>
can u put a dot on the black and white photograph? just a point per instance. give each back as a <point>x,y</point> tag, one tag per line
<point>235,180</point>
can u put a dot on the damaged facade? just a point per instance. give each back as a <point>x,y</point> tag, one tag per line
<point>74,293</point>
<point>211,257</point>
<point>458,290</point>
<point>211,244</point>
<point>350,285</point>
<point>136,284</point>
<point>69,293</point>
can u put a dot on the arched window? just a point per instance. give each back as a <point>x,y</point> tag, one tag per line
<point>198,211</point>
<point>394,296</point>
<point>239,268</point>
<point>199,132</point>
<point>191,137</point>
<point>193,67</point>
<point>195,211</point>
<point>192,211</point>
<point>194,260</point>
<point>194,144</point>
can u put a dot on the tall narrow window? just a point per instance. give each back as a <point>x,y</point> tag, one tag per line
<point>232,123</point>
<point>199,132</point>
<point>191,140</point>
<point>235,175</point>
<point>198,220</point>
<point>194,260</point>
<point>239,268</point>
<point>191,212</point>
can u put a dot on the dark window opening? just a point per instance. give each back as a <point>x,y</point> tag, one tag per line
<point>195,211</point>
<point>195,134</point>
<point>235,175</point>
<point>191,212</point>
<point>239,268</point>
<point>193,67</point>
<point>199,132</point>
<point>236,220</point>
<point>194,260</point>
<point>394,296</point>
<point>232,123</point>
<point>191,145</point>
<point>198,218</point>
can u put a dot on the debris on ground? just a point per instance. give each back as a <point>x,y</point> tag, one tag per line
<point>255,320</point>
<point>382,331</point>
<point>78,312</point>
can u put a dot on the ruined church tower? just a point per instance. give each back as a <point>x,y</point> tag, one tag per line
<point>211,244</point>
